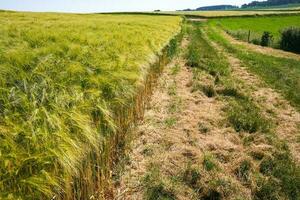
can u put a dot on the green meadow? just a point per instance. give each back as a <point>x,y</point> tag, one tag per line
<point>240,27</point>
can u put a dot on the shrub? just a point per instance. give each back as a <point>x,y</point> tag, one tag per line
<point>256,41</point>
<point>290,39</point>
<point>266,39</point>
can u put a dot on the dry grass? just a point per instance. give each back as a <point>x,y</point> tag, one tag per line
<point>279,178</point>
<point>184,154</point>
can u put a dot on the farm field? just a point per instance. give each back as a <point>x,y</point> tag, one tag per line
<point>68,87</point>
<point>146,106</point>
<point>240,27</point>
<point>230,13</point>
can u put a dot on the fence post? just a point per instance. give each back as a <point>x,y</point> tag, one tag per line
<point>249,36</point>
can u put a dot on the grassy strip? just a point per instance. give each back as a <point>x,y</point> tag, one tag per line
<point>278,176</point>
<point>282,74</point>
<point>202,58</point>
<point>243,114</point>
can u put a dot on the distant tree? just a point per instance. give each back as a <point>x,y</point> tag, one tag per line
<point>218,7</point>
<point>290,39</point>
<point>269,3</point>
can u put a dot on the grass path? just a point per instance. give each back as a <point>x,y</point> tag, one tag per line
<point>286,118</point>
<point>162,138</point>
<point>279,110</point>
<point>180,128</point>
<point>186,148</point>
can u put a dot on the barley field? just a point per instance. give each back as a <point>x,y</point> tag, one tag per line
<point>64,80</point>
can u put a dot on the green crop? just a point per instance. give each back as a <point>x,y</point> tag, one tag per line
<point>65,83</point>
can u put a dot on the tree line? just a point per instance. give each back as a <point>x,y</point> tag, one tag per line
<point>269,3</point>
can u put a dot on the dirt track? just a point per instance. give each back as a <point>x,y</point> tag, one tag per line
<point>196,127</point>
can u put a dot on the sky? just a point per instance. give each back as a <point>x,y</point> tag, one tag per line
<point>86,6</point>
